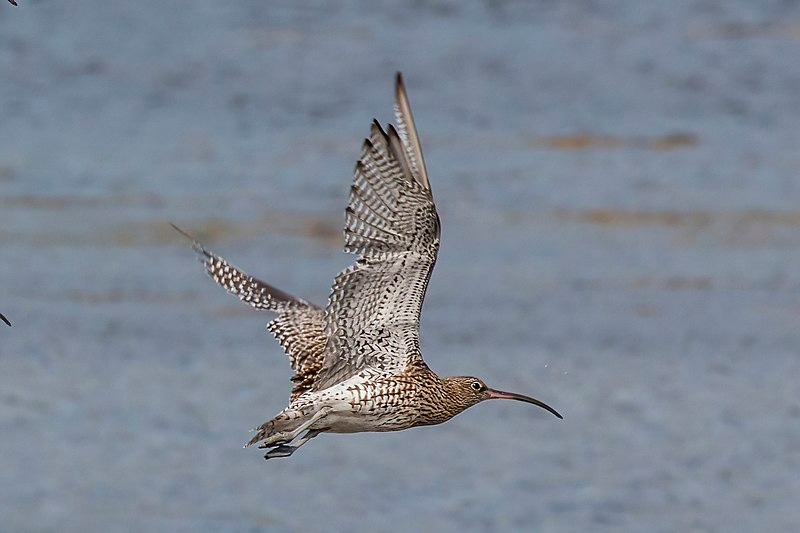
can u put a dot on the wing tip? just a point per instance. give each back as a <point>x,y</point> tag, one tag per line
<point>182,232</point>
<point>406,117</point>
<point>399,86</point>
<point>377,129</point>
<point>197,246</point>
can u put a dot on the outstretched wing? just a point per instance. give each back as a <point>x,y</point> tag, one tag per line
<point>372,317</point>
<point>299,326</point>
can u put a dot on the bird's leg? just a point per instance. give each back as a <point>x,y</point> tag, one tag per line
<point>285,450</point>
<point>285,437</point>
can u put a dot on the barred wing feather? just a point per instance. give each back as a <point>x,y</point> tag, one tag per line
<point>372,317</point>
<point>299,326</point>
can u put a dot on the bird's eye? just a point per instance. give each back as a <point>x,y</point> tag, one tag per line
<point>477,386</point>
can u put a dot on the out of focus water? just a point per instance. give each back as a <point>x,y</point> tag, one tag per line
<point>618,187</point>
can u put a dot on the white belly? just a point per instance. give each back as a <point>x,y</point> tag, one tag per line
<point>362,404</point>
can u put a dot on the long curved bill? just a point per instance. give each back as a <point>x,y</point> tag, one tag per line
<point>4,319</point>
<point>503,395</point>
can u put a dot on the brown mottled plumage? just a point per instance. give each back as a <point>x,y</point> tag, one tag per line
<point>357,362</point>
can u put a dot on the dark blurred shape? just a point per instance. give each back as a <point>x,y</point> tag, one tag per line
<point>13,2</point>
<point>4,319</point>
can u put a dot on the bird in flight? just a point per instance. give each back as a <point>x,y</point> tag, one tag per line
<point>357,362</point>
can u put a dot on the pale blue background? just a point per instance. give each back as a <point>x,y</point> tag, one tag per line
<point>642,277</point>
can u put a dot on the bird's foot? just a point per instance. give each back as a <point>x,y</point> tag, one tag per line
<point>276,440</point>
<point>280,451</point>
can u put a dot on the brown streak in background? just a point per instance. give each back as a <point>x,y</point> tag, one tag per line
<point>587,141</point>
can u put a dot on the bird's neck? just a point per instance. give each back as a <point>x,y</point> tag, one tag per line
<point>440,401</point>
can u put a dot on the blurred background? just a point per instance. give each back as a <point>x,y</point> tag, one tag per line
<point>617,183</point>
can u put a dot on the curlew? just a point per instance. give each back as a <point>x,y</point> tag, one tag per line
<point>357,362</point>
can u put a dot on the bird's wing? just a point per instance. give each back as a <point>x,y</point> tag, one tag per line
<point>299,326</point>
<point>372,317</point>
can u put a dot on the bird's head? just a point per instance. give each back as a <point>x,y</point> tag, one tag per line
<point>467,391</point>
